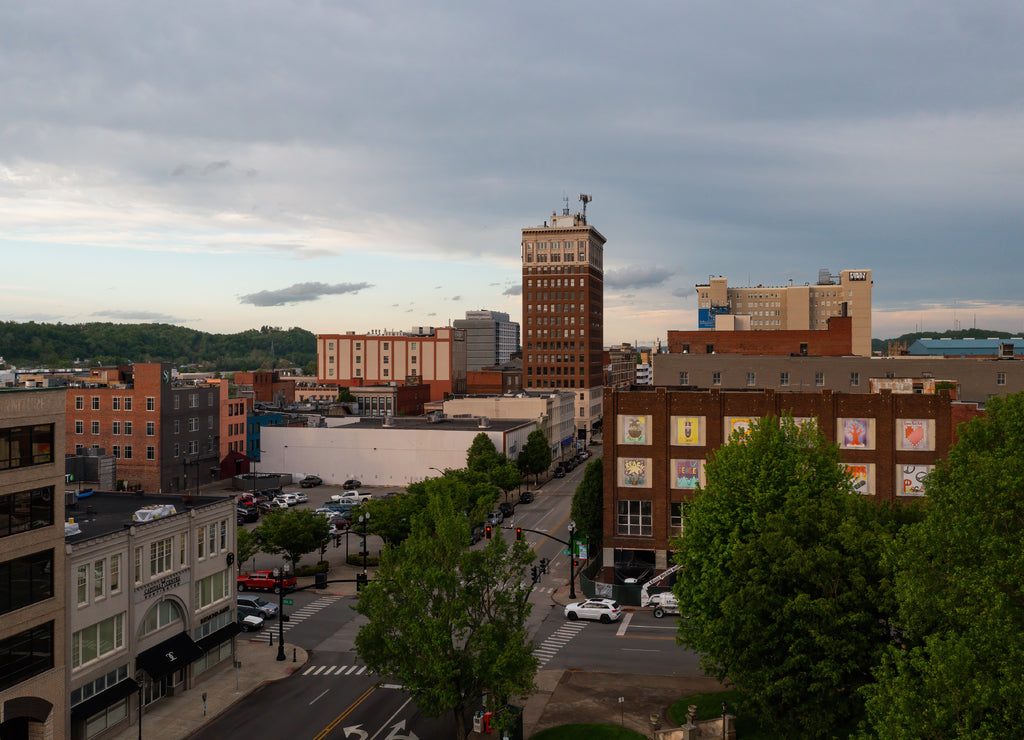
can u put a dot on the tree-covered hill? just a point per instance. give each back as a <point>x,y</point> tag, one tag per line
<point>879,345</point>
<point>62,345</point>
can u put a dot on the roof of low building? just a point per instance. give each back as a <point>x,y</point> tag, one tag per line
<point>100,514</point>
<point>990,346</point>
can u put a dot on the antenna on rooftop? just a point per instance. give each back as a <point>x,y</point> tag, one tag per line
<point>584,199</point>
<point>565,204</point>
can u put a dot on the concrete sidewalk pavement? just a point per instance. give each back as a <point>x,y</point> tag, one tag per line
<point>177,717</point>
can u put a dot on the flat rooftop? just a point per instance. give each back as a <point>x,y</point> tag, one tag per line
<point>105,513</point>
<point>447,424</point>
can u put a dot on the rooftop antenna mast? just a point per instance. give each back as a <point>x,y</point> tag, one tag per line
<point>584,199</point>
<point>565,204</point>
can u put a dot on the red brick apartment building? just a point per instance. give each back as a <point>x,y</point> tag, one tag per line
<point>835,341</point>
<point>426,355</point>
<point>657,441</point>
<point>163,433</point>
<point>563,311</point>
<point>266,387</point>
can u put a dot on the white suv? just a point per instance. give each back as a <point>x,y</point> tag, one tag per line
<point>603,610</point>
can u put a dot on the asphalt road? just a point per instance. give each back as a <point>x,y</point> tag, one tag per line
<point>333,696</point>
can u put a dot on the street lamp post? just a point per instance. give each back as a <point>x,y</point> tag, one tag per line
<point>280,614</point>
<point>141,678</point>
<point>364,519</point>
<point>572,559</point>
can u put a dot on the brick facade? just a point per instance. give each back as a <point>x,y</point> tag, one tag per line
<point>436,357</point>
<point>836,341</point>
<point>657,441</point>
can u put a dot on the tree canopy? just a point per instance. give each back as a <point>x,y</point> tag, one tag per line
<point>956,672</point>
<point>482,454</point>
<point>293,533</point>
<point>782,580</point>
<point>588,505</point>
<point>104,343</point>
<point>535,457</point>
<point>446,621</point>
<point>392,518</point>
<point>246,546</point>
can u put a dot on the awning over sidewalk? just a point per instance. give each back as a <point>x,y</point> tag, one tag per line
<point>216,638</point>
<point>169,656</point>
<point>104,699</point>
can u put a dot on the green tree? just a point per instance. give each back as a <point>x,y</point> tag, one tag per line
<point>345,395</point>
<point>247,546</point>
<point>782,583</point>
<point>482,454</point>
<point>588,505</point>
<point>293,533</point>
<point>956,672</point>
<point>506,477</point>
<point>392,518</point>
<point>447,622</point>
<point>536,455</point>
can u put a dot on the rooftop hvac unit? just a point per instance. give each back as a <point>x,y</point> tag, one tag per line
<point>485,423</point>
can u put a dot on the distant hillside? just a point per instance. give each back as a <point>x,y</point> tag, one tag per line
<point>879,345</point>
<point>61,345</point>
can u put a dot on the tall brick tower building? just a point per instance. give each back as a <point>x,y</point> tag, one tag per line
<point>563,310</point>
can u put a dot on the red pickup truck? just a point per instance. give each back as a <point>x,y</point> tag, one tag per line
<point>264,580</point>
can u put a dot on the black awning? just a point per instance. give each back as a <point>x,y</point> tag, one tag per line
<point>216,638</point>
<point>169,656</point>
<point>102,700</point>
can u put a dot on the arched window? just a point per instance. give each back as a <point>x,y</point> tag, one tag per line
<point>159,616</point>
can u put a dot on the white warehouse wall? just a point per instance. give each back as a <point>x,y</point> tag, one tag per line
<point>377,457</point>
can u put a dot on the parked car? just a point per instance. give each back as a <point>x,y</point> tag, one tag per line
<point>351,484</point>
<point>354,498</point>
<point>495,518</point>
<point>506,509</point>
<point>249,620</point>
<point>264,580</point>
<point>311,481</point>
<point>299,496</point>
<point>290,499</point>
<point>265,609</point>
<point>272,505</point>
<point>603,610</point>
<point>247,514</point>
<point>525,497</point>
<point>475,535</point>
<point>559,473</point>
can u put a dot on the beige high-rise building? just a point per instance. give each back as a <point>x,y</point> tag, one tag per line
<point>33,639</point>
<point>788,307</point>
<point>563,310</point>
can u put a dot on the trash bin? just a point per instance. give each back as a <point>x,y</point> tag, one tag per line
<point>488,716</point>
<point>478,722</point>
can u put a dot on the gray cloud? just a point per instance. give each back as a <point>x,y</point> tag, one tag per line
<point>636,276</point>
<point>146,316</point>
<point>885,135</point>
<point>300,293</point>
<point>455,298</point>
<point>513,290</point>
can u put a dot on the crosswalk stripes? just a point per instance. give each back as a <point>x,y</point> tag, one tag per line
<point>303,613</point>
<point>556,641</point>
<point>335,670</point>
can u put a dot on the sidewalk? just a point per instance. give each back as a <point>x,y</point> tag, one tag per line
<point>177,717</point>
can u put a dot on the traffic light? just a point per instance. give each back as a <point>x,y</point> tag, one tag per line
<point>321,580</point>
<point>519,533</point>
<point>533,573</point>
<point>487,531</point>
<point>544,565</point>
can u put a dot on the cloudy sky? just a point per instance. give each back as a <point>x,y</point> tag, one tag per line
<point>369,165</point>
